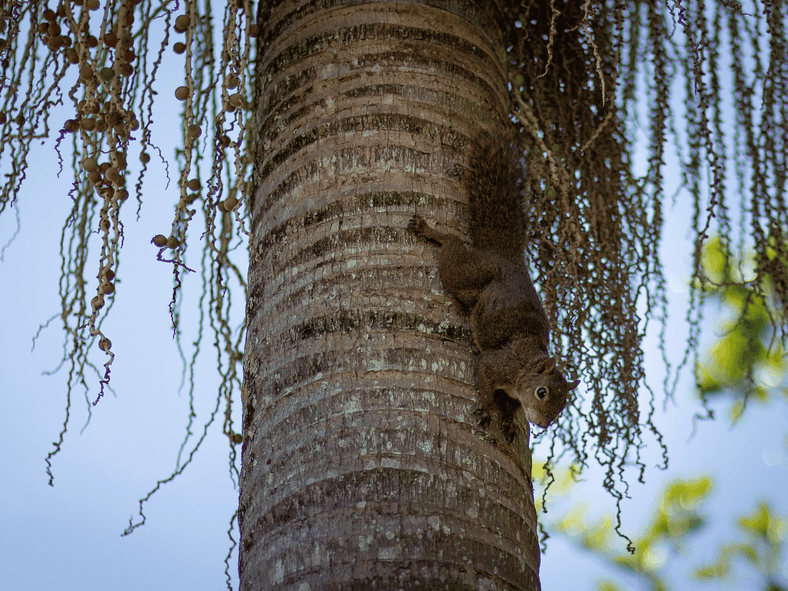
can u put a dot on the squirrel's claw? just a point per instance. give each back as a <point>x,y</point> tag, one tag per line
<point>417,225</point>
<point>482,417</point>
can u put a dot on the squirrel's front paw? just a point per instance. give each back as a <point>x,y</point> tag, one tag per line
<point>483,416</point>
<point>495,424</point>
<point>508,430</point>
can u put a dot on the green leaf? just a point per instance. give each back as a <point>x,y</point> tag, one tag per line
<point>765,525</point>
<point>714,259</point>
<point>691,493</point>
<point>757,522</point>
<point>712,571</point>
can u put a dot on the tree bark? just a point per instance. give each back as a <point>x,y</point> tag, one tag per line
<point>363,467</point>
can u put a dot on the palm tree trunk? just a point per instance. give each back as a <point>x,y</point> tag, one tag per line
<point>362,464</point>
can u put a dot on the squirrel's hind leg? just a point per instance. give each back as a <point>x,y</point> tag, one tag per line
<point>422,229</point>
<point>465,270</point>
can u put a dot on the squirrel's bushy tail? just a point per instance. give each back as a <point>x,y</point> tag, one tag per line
<point>497,221</point>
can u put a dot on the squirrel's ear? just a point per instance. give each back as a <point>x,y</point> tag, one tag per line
<point>573,385</point>
<point>545,366</point>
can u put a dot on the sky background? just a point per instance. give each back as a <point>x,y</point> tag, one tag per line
<point>133,439</point>
<point>68,537</point>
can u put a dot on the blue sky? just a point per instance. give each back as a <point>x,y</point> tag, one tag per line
<point>68,537</point>
<point>133,439</point>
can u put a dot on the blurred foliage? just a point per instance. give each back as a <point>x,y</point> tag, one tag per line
<point>763,550</point>
<point>676,518</point>
<point>673,533</point>
<point>748,359</point>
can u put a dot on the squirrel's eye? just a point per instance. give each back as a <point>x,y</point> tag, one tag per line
<point>541,392</point>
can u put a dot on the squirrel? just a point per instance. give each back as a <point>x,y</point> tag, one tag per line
<point>489,278</point>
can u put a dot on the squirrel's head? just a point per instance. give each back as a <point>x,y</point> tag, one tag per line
<point>542,390</point>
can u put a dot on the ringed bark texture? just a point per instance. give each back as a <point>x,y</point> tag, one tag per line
<point>363,467</point>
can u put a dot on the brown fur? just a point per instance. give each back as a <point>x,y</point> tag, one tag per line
<point>509,324</point>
